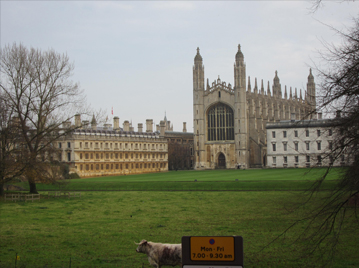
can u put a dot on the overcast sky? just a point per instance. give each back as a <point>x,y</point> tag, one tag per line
<point>137,56</point>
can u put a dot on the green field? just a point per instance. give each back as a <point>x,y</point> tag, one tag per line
<point>99,229</point>
<point>223,180</point>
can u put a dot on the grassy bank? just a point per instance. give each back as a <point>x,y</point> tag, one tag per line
<point>98,230</point>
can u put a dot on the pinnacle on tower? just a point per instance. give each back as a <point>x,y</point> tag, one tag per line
<point>239,56</point>
<point>310,76</point>
<point>262,88</point>
<point>255,86</point>
<point>249,84</point>
<point>268,89</point>
<point>198,57</point>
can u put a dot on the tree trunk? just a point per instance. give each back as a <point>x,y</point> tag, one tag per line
<point>33,189</point>
<point>1,189</point>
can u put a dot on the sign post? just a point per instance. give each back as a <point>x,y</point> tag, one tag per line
<point>212,252</point>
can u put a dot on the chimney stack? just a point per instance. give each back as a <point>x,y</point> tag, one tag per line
<point>126,125</point>
<point>162,128</point>
<point>116,123</point>
<point>149,125</point>
<point>184,127</point>
<point>140,127</point>
<point>77,120</point>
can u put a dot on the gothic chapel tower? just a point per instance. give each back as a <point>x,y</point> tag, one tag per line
<point>241,127</point>
<point>198,110</point>
<point>220,118</point>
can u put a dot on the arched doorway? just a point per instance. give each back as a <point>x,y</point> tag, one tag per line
<point>221,161</point>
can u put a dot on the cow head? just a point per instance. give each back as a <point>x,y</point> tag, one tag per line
<point>142,246</point>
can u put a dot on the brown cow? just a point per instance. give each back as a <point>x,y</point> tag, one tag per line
<point>161,254</point>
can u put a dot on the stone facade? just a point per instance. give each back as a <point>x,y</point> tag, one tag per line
<point>229,120</point>
<point>93,151</point>
<point>305,143</point>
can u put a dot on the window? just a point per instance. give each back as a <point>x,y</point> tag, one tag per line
<point>220,124</point>
<point>285,159</point>
<point>274,147</point>
<point>318,132</point>
<point>330,132</point>
<point>285,146</point>
<point>319,145</point>
<point>330,145</point>
<point>307,133</point>
<point>80,156</point>
<point>284,134</point>
<point>60,145</point>
<point>307,145</point>
<point>296,146</point>
<point>69,157</point>
<point>342,158</point>
<point>296,158</point>
<point>69,145</point>
<point>296,133</point>
<point>308,158</point>
<point>274,160</point>
<point>319,158</point>
<point>273,134</point>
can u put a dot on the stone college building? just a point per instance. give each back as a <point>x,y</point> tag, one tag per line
<point>230,120</point>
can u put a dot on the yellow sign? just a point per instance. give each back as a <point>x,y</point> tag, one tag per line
<point>216,248</point>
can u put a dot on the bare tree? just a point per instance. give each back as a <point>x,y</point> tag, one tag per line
<point>12,163</point>
<point>41,96</point>
<point>336,211</point>
<point>178,156</point>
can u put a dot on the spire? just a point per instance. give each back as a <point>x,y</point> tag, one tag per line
<point>93,121</point>
<point>295,93</point>
<point>249,84</point>
<point>268,89</point>
<point>290,93</point>
<point>285,92</point>
<point>255,86</point>
<point>262,88</point>
<point>198,57</point>
<point>300,94</point>
<point>310,76</point>
<point>239,56</point>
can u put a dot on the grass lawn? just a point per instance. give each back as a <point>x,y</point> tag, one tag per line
<point>99,229</point>
<point>248,180</point>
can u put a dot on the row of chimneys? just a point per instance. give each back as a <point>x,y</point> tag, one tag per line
<point>126,125</point>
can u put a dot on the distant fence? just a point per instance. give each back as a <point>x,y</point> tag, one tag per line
<point>64,194</point>
<point>21,197</point>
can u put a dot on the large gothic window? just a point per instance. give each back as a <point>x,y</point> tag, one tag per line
<point>220,123</point>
